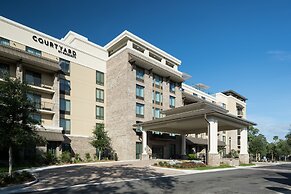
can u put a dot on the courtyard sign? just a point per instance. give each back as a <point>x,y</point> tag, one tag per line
<point>59,48</point>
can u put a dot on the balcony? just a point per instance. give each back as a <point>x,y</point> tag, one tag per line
<point>46,108</point>
<point>42,88</point>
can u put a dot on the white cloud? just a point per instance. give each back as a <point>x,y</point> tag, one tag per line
<point>280,55</point>
<point>271,127</point>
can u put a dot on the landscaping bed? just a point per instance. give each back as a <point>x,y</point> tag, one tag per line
<point>188,165</point>
<point>15,178</point>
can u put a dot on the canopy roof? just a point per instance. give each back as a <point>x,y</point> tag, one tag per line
<point>193,119</point>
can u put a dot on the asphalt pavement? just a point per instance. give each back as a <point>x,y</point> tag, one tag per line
<point>266,179</point>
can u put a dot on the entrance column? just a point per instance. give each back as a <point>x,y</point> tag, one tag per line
<point>213,156</point>
<point>183,146</point>
<point>243,154</point>
<point>144,155</point>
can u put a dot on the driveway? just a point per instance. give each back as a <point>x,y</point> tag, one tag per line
<point>99,173</point>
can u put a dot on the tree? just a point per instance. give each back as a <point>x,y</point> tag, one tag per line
<point>100,141</point>
<point>16,124</point>
<point>257,146</point>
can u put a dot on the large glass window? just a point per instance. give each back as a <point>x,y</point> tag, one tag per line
<point>99,112</point>
<point>4,41</point>
<point>99,95</point>
<point>33,78</point>
<point>65,87</point>
<point>172,87</point>
<point>36,117</point>
<point>139,110</point>
<point>4,70</point>
<point>99,78</point>
<point>172,102</point>
<point>65,106</point>
<point>139,91</point>
<point>158,97</point>
<point>139,73</point>
<point>66,124</point>
<point>156,113</point>
<point>65,65</point>
<point>33,51</point>
<point>158,80</point>
<point>35,99</point>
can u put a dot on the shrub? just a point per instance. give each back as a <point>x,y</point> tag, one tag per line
<point>16,178</point>
<point>161,163</point>
<point>66,157</point>
<point>50,158</point>
<point>193,157</point>
<point>88,156</point>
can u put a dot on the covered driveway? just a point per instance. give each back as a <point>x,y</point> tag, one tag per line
<point>196,118</point>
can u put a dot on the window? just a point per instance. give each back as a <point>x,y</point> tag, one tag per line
<point>156,113</point>
<point>66,124</point>
<point>172,102</point>
<point>99,95</point>
<point>99,112</point>
<point>224,139</point>
<point>158,97</point>
<point>139,91</point>
<point>223,105</point>
<point>172,87</point>
<point>36,117</point>
<point>99,78</point>
<point>158,80</point>
<point>4,70</point>
<point>4,41</point>
<point>33,78</point>
<point>203,97</point>
<point>65,106</point>
<point>35,99</point>
<point>65,87</point>
<point>139,110</point>
<point>139,74</point>
<point>33,51</point>
<point>65,66</point>
<point>194,94</point>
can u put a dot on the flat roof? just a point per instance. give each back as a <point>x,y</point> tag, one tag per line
<point>235,94</point>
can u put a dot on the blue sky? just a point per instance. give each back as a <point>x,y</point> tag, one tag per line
<point>239,45</point>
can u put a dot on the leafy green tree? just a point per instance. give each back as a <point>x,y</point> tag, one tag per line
<point>283,149</point>
<point>100,141</point>
<point>16,124</point>
<point>257,143</point>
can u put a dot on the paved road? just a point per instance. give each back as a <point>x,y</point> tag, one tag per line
<point>271,179</point>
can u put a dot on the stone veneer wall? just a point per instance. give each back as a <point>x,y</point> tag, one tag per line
<point>121,102</point>
<point>81,145</point>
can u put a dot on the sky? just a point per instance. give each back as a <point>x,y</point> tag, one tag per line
<point>244,45</point>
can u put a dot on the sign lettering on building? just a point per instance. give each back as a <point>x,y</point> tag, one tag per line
<point>63,50</point>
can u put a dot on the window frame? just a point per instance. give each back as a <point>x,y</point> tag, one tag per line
<point>100,117</point>
<point>65,111</point>
<point>139,110</point>
<point>139,88</point>
<point>66,87</point>
<point>33,51</point>
<point>101,81</point>
<point>64,61</point>
<point>102,94</point>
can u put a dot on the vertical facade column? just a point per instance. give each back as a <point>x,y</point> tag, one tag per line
<point>145,155</point>
<point>183,145</point>
<point>129,44</point>
<point>213,156</point>
<point>244,155</point>
<point>56,100</point>
<point>19,72</point>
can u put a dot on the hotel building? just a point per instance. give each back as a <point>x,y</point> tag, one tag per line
<point>77,84</point>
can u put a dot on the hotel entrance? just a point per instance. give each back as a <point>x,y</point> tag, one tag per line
<point>158,152</point>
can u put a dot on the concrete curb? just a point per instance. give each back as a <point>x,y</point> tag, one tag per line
<point>15,188</point>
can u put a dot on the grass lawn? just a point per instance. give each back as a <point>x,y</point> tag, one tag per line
<point>247,164</point>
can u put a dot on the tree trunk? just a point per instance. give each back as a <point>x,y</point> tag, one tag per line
<point>272,156</point>
<point>99,154</point>
<point>10,161</point>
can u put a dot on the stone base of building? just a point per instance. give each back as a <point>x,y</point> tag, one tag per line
<point>213,159</point>
<point>145,157</point>
<point>244,159</point>
<point>81,146</point>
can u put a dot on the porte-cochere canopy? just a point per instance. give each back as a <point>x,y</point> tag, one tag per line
<point>193,119</point>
